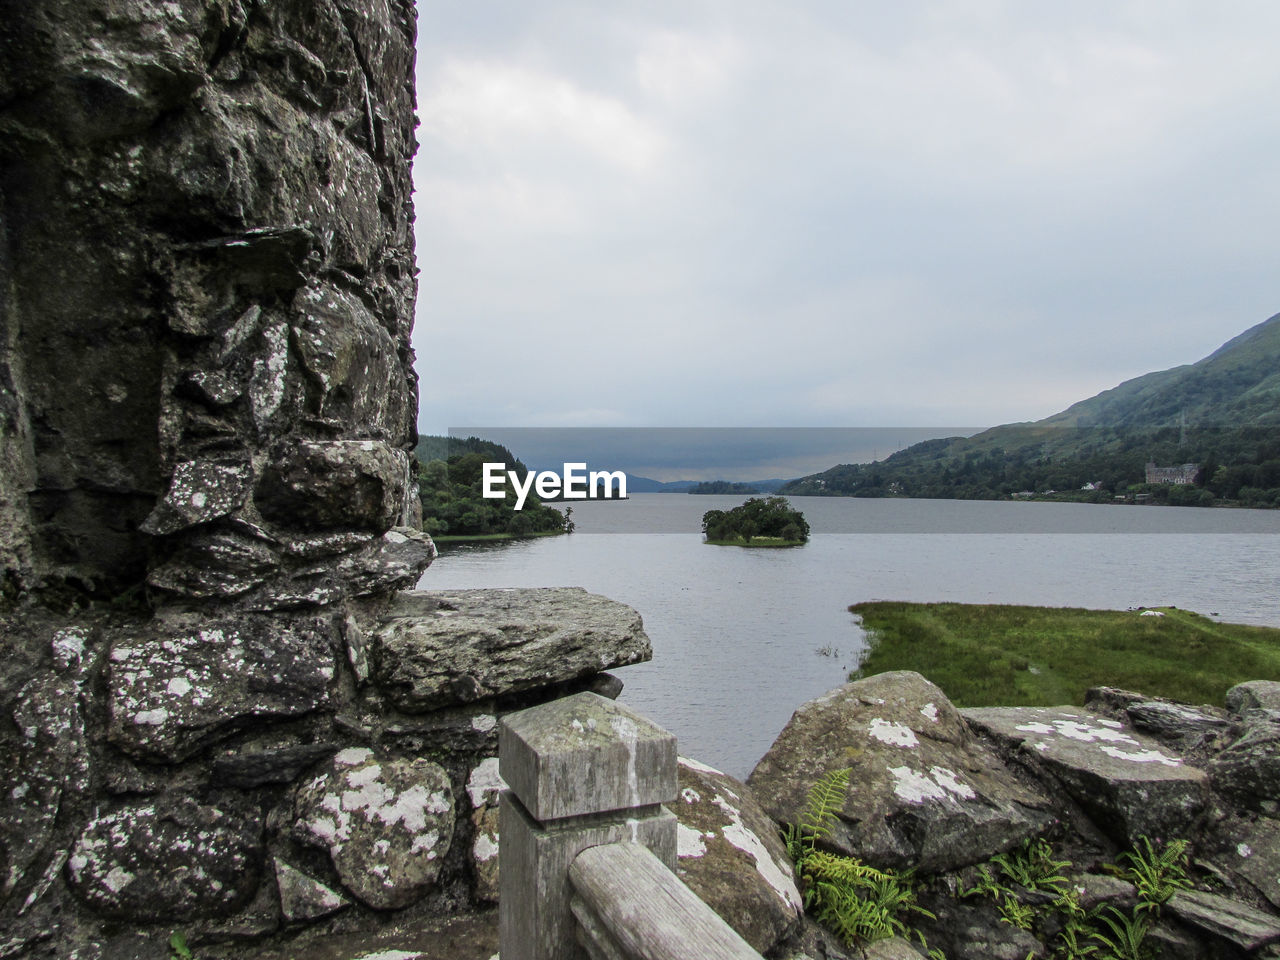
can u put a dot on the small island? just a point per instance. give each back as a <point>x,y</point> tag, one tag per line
<point>760,522</point>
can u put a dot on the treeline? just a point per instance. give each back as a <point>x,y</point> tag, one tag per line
<point>723,486</point>
<point>1240,465</point>
<point>758,518</point>
<point>450,484</point>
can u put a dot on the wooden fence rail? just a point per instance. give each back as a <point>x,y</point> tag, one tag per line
<point>587,852</point>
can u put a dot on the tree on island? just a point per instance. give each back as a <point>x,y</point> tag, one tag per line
<point>769,521</point>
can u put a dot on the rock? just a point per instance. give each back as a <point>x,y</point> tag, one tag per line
<point>199,491</point>
<point>166,860</point>
<point>1096,889</point>
<point>484,853</point>
<point>1231,920</point>
<point>254,765</point>
<point>305,898</point>
<point>387,824</point>
<point>1175,721</point>
<point>380,565</point>
<point>730,854</point>
<point>352,362</point>
<point>395,562</point>
<point>1249,849</point>
<point>1253,695</point>
<point>484,788</point>
<point>892,948</point>
<point>49,759</point>
<point>187,681</point>
<point>216,564</point>
<point>437,649</point>
<point>925,794</point>
<point>338,483</point>
<point>1126,783</point>
<point>1248,771</point>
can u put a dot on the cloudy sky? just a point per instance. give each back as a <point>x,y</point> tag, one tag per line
<point>811,213</point>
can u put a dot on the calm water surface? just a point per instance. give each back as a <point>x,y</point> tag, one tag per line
<point>743,637</point>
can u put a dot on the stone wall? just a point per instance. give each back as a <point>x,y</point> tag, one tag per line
<point>217,713</point>
<point>207,262</point>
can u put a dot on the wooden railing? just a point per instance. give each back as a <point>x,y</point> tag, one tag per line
<point>587,851</point>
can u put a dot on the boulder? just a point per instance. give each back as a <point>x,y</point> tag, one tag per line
<point>730,854</point>
<point>1254,695</point>
<point>386,824</point>
<point>1128,784</point>
<point>1248,771</point>
<point>186,681</point>
<point>166,860</point>
<point>435,649</point>
<point>320,485</point>
<point>924,793</point>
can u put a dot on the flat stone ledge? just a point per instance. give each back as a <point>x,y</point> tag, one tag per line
<point>436,649</point>
<point>1129,784</point>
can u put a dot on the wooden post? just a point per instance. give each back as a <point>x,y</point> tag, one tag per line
<point>581,771</point>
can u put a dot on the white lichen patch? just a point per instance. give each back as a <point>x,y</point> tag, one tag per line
<point>485,783</point>
<point>930,712</point>
<point>1141,756</point>
<point>1244,850</point>
<point>1082,731</point>
<point>690,795</point>
<point>689,842</point>
<point>698,766</point>
<point>781,879</point>
<point>892,733</point>
<point>352,756</point>
<point>915,786</point>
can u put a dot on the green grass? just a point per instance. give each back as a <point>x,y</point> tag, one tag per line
<point>469,537</point>
<point>757,542</point>
<point>990,655</point>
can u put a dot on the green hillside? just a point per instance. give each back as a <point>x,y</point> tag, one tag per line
<point>1221,413</point>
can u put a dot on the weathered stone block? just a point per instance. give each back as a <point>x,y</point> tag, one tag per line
<point>339,483</point>
<point>583,755</point>
<point>387,824</point>
<point>435,649</point>
<point>186,681</point>
<point>199,491</point>
<point>166,861</point>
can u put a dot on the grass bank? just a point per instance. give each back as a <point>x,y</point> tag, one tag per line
<point>995,655</point>
<point>757,542</point>
<point>471,537</point>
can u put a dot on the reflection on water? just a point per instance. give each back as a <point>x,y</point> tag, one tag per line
<point>737,633</point>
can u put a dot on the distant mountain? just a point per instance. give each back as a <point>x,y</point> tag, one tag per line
<point>1221,413</point>
<point>636,484</point>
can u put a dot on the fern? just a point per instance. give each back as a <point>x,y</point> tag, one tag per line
<point>1158,872</point>
<point>824,800</point>
<point>1127,936</point>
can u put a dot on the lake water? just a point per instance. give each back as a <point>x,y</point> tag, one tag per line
<point>743,637</point>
